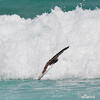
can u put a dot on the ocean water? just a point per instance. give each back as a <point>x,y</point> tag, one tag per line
<point>33,31</point>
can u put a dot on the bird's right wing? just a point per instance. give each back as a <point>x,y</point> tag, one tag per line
<point>59,53</point>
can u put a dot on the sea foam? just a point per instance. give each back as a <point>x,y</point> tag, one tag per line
<point>27,44</point>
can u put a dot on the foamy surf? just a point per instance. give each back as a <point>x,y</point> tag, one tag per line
<point>27,44</point>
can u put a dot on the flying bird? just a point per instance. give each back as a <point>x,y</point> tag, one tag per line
<point>52,61</point>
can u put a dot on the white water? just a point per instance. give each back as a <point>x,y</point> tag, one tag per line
<point>26,44</point>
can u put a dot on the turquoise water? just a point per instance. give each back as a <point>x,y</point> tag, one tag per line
<point>69,89</point>
<point>32,31</point>
<point>32,8</point>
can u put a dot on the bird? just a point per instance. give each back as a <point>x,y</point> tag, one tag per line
<point>52,61</point>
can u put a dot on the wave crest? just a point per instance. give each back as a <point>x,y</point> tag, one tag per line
<point>27,44</point>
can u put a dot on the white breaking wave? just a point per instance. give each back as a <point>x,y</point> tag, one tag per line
<point>27,44</point>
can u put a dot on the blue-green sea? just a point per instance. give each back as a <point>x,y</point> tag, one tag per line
<point>69,89</point>
<point>32,32</point>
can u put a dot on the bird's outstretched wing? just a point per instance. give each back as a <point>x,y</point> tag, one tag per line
<point>59,53</point>
<point>53,60</point>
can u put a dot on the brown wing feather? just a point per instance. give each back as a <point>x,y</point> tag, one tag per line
<point>46,66</point>
<point>59,53</point>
